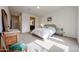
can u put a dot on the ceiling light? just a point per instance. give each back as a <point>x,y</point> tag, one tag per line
<point>38,7</point>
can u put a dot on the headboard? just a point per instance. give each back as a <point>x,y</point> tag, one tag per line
<point>49,25</point>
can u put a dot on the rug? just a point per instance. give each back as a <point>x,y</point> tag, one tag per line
<point>33,47</point>
<point>46,44</point>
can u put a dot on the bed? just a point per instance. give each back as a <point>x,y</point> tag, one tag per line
<point>46,31</point>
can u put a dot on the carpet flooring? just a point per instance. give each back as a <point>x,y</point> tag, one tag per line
<point>60,43</point>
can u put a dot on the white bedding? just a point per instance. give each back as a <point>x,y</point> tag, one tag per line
<point>44,32</point>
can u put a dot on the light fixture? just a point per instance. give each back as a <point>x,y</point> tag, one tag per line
<point>38,7</point>
<point>41,25</point>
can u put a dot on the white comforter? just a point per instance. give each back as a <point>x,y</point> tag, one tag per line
<point>44,32</point>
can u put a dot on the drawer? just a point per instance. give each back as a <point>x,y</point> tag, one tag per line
<point>11,40</point>
<point>8,42</point>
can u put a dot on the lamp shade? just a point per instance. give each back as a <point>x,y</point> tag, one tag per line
<point>41,25</point>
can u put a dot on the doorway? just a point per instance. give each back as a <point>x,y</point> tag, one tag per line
<point>15,22</point>
<point>32,23</point>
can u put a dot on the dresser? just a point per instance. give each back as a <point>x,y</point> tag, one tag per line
<point>10,37</point>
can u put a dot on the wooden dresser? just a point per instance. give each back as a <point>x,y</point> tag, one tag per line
<point>10,38</point>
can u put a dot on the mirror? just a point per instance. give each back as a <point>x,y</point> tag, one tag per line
<point>4,21</point>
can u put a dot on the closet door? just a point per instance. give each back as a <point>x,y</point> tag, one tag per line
<point>4,21</point>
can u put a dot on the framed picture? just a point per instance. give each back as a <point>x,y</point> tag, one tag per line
<point>49,19</point>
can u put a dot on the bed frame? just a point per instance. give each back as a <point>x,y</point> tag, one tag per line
<point>46,26</point>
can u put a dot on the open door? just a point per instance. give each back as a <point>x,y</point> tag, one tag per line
<point>32,23</point>
<point>15,22</point>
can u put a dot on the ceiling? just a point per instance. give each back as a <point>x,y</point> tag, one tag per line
<point>34,10</point>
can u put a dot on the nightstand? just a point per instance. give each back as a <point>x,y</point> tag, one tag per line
<point>60,31</point>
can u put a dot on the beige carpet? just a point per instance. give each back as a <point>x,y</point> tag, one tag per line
<point>60,44</point>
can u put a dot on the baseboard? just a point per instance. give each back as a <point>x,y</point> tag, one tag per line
<point>70,37</point>
<point>66,36</point>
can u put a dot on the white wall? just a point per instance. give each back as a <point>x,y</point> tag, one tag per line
<point>64,18</point>
<point>26,22</point>
<point>8,14</point>
<point>78,24</point>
